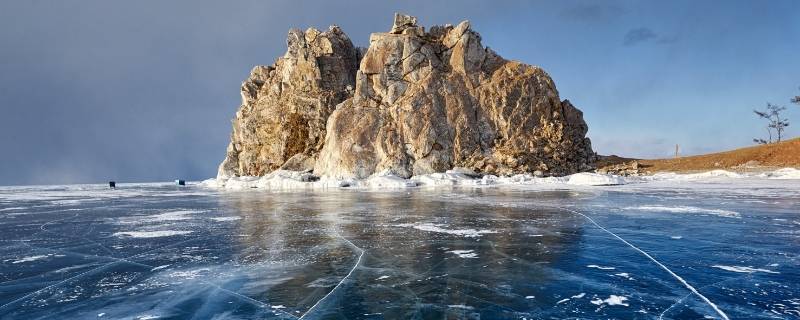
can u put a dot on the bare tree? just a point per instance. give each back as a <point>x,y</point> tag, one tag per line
<point>796,99</point>
<point>774,122</point>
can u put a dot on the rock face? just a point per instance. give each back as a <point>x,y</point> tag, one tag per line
<point>417,102</point>
<point>285,106</point>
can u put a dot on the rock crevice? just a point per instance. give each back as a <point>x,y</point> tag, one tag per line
<point>414,102</point>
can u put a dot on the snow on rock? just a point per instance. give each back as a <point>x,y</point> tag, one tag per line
<point>456,176</point>
<point>387,179</point>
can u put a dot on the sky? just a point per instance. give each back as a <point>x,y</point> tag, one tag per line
<point>137,91</point>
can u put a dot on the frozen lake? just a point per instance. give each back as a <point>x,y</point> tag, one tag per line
<point>678,249</point>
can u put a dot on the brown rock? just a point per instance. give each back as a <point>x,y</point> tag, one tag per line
<point>429,103</point>
<point>419,102</point>
<point>285,106</point>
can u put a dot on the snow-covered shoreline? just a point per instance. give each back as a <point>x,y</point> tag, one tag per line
<point>295,180</point>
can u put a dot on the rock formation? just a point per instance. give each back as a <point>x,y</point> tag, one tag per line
<point>417,102</point>
<point>285,106</point>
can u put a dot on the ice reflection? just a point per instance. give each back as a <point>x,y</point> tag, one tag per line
<point>464,253</point>
<point>414,270</point>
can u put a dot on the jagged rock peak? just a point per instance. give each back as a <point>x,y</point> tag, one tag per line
<point>285,106</point>
<point>403,22</point>
<point>415,102</point>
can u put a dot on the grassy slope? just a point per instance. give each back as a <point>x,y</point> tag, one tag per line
<point>783,154</point>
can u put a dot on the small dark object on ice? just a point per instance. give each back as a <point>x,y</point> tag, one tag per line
<point>112,184</point>
<point>180,182</point>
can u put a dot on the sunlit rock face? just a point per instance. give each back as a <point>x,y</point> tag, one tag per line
<point>417,102</point>
<point>285,106</point>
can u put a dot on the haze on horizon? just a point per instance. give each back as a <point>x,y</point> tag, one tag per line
<point>145,91</point>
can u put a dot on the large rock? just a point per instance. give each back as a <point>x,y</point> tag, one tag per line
<point>281,123</point>
<point>423,102</point>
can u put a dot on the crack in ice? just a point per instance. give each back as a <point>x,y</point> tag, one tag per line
<point>248,299</point>
<point>681,280</point>
<point>358,262</point>
<point>55,285</point>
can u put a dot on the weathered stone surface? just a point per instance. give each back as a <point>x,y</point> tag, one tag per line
<point>281,123</point>
<point>422,102</point>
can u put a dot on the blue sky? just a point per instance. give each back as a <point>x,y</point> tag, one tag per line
<point>145,90</point>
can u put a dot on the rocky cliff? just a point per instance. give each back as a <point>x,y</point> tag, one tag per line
<point>414,102</point>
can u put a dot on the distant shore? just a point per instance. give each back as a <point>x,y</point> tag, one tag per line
<point>759,158</point>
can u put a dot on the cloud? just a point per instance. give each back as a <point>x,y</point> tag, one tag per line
<point>639,35</point>
<point>643,34</point>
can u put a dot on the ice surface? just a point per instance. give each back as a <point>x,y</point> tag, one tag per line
<point>448,245</point>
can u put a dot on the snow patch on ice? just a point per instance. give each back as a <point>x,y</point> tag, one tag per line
<point>785,173</point>
<point>223,219</point>
<point>151,234</point>
<point>743,269</point>
<point>466,254</point>
<point>172,215</point>
<point>431,227</point>
<point>686,209</point>
<point>624,275</point>
<point>612,300</point>
<point>594,179</point>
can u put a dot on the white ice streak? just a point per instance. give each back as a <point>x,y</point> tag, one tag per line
<point>577,296</point>
<point>460,306</point>
<point>179,215</point>
<point>438,228</point>
<point>223,219</point>
<point>743,269</point>
<point>600,267</point>
<point>33,258</point>
<point>681,280</point>
<point>686,209</point>
<point>466,254</point>
<point>150,234</point>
